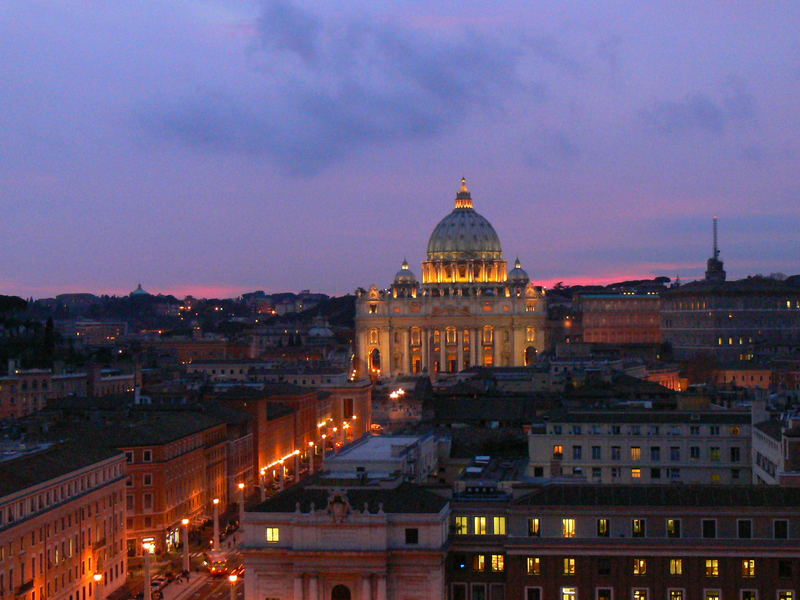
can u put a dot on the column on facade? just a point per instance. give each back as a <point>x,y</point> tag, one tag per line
<point>381,588</point>
<point>298,587</point>
<point>313,587</point>
<point>496,339</point>
<point>423,348</point>
<point>474,347</point>
<point>442,351</point>
<point>460,342</point>
<point>366,588</point>
<point>407,356</point>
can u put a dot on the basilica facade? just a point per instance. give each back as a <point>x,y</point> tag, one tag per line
<point>468,310</point>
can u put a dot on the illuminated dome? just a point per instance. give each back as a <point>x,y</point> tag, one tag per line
<point>405,275</point>
<point>464,234</point>
<point>518,274</point>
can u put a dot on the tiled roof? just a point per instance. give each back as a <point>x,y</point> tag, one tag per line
<point>31,469</point>
<point>661,495</point>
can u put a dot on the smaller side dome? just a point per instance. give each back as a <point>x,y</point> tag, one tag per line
<point>139,291</point>
<point>518,274</point>
<point>405,275</point>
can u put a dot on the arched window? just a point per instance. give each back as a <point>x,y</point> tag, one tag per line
<point>530,355</point>
<point>488,334</point>
<point>415,336</point>
<point>530,334</point>
<point>340,592</point>
<point>375,360</point>
<point>451,335</point>
<point>373,336</point>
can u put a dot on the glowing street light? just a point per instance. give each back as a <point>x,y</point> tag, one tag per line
<point>148,548</point>
<point>241,507</point>
<point>97,577</point>
<point>216,523</point>
<point>185,523</point>
<point>233,578</point>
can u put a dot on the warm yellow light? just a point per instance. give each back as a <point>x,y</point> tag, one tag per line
<point>97,577</point>
<point>184,521</point>
<point>241,486</point>
<point>310,444</point>
<point>335,429</point>
<point>354,417</point>
<point>215,500</point>
<point>233,578</point>
<point>324,436</point>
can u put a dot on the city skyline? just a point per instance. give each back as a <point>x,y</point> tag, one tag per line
<point>222,147</point>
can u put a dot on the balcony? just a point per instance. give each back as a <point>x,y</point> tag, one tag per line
<point>99,544</point>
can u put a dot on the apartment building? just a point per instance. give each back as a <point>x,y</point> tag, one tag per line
<point>625,542</point>
<point>62,521</point>
<point>642,446</point>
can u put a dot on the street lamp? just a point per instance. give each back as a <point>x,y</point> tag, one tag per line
<point>185,523</point>
<point>322,456</point>
<point>241,508</point>
<point>149,548</point>
<point>311,450</point>
<point>263,484</point>
<point>216,523</point>
<point>232,578</point>
<point>98,577</point>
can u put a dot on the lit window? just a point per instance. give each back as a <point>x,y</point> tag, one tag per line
<point>639,594</point>
<point>602,528</point>
<point>636,453</point>
<point>488,334</point>
<point>499,524</point>
<point>716,478</point>
<point>749,595</point>
<point>639,566</point>
<point>569,593</point>
<point>569,566</point>
<point>530,334</point>
<point>636,473</point>
<point>676,595</point>
<point>676,566</point>
<point>558,451</point>
<point>534,565</point>
<point>748,567</point>
<point>373,336</point>
<point>273,535</point>
<point>534,527</point>
<point>479,562</point>
<point>450,334</point>
<point>673,528</point>
<point>712,567</point>
<point>480,525</point>
<point>567,528</point>
<point>462,525</point>
<point>638,527</point>
<point>711,595</point>
<point>786,595</point>
<point>498,563</point>
<point>714,453</point>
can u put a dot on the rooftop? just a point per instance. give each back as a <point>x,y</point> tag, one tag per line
<point>661,495</point>
<point>375,448</point>
<point>29,470</point>
<point>392,497</point>
<point>726,417</point>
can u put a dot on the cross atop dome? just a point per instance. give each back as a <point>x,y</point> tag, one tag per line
<point>463,197</point>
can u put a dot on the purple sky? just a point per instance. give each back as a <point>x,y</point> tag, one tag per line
<point>216,147</point>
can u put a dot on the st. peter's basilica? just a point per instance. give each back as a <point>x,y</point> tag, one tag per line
<point>468,310</point>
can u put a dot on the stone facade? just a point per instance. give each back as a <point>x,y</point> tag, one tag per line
<point>467,311</point>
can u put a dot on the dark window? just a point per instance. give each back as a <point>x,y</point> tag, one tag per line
<point>460,562</point>
<point>735,454</point>
<point>709,528</point>
<point>784,568</point>
<point>596,453</point>
<point>533,594</point>
<point>604,566</point>
<point>576,452</point>
<point>655,473</point>
<point>604,594</point>
<point>538,471</point>
<point>412,535</point>
<point>459,591</point>
<point>780,529</point>
<point>745,529</point>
